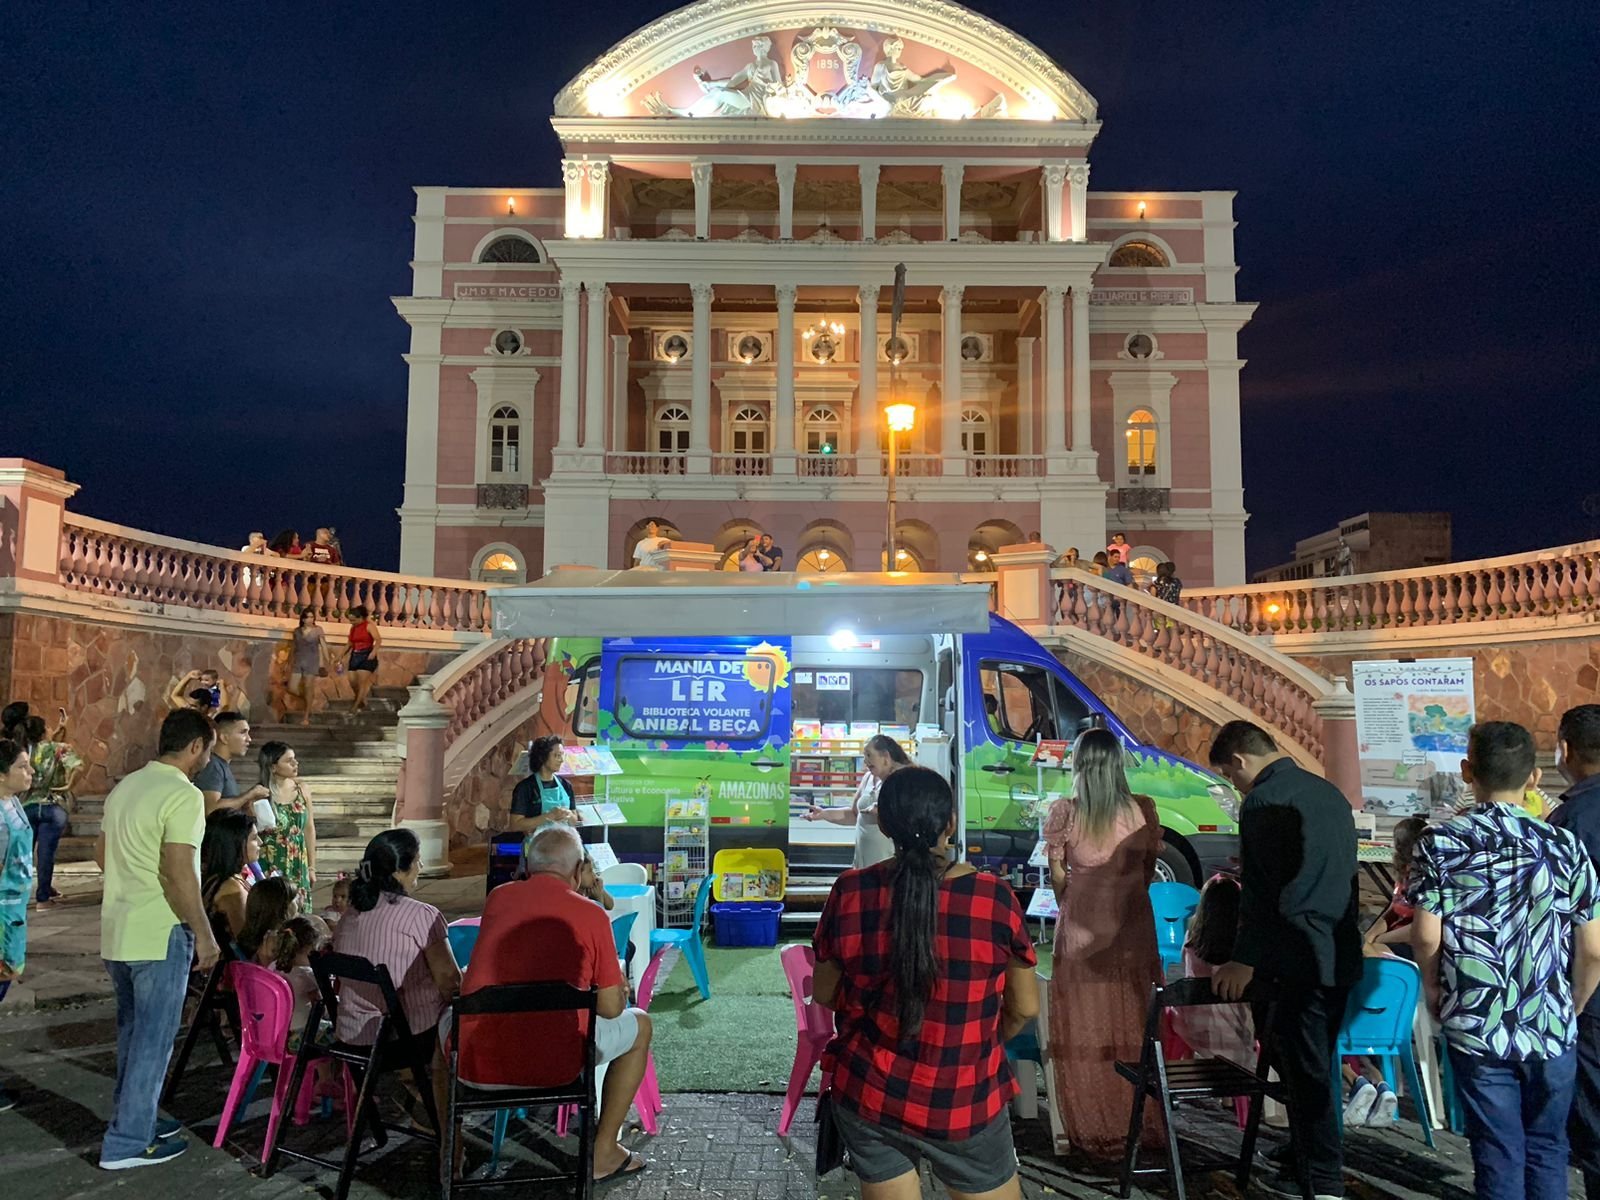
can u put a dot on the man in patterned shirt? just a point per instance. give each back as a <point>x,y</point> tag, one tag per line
<point>1507,935</point>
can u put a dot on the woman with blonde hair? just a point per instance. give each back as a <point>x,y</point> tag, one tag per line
<point>1103,842</point>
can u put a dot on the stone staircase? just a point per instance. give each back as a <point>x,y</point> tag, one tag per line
<point>349,763</point>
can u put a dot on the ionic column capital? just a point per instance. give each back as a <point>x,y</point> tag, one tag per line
<point>703,293</point>
<point>1055,174</point>
<point>1078,174</point>
<point>599,170</point>
<point>867,295</point>
<point>950,295</point>
<point>786,294</point>
<point>572,170</point>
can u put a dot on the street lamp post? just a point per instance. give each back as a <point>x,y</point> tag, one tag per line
<point>902,419</point>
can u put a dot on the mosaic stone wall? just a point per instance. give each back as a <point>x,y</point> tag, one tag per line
<point>1153,717</point>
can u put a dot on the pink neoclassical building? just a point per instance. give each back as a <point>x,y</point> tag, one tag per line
<point>695,326</point>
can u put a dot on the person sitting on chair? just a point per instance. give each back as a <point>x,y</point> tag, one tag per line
<point>544,929</point>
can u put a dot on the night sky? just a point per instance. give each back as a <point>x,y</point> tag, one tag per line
<point>206,212</point>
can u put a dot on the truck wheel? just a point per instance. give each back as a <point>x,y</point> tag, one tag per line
<point>1173,866</point>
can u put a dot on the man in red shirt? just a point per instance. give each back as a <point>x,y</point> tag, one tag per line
<point>541,930</point>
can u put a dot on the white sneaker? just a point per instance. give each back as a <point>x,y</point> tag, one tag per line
<point>1362,1097</point>
<point>1385,1109</point>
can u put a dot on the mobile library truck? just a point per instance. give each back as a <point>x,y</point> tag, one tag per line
<point>754,695</point>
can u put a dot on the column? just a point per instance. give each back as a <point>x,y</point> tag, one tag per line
<point>700,381</point>
<point>420,788</point>
<point>1055,371</point>
<point>786,173</point>
<point>572,175</point>
<point>1055,177</point>
<point>1078,202</point>
<point>1081,442</point>
<point>594,384</point>
<point>950,380</point>
<point>567,420</point>
<point>700,172</point>
<point>599,215</point>
<point>952,173</point>
<point>869,202</point>
<point>1227,455</point>
<point>418,519</point>
<point>867,391</point>
<point>1026,415</point>
<point>619,392</point>
<point>783,403</point>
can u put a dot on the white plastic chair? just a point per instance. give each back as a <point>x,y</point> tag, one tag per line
<point>624,872</point>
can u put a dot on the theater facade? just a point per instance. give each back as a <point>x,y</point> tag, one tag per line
<point>701,325</point>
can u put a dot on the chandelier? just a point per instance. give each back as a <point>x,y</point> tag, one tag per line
<point>822,339</point>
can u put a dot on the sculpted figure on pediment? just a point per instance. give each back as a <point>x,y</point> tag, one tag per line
<point>903,90</point>
<point>751,91</point>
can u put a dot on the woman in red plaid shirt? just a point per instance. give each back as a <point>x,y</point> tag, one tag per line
<point>929,967</point>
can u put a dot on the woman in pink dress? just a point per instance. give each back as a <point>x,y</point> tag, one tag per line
<point>1103,842</point>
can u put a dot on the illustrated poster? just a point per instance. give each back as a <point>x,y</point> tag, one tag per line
<point>1412,720</point>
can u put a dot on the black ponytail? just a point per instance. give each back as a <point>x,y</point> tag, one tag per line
<point>387,855</point>
<point>914,810</point>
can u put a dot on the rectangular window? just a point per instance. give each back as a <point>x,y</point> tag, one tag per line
<point>882,694</point>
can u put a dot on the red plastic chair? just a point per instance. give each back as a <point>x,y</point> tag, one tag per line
<point>813,1026</point>
<point>647,1100</point>
<point>266,1008</point>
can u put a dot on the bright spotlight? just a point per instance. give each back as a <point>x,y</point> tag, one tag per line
<point>842,639</point>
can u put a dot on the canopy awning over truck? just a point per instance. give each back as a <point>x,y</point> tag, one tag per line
<point>581,603</point>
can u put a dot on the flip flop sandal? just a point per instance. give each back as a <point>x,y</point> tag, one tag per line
<point>626,1171</point>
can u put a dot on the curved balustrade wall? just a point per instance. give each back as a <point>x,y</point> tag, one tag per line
<point>1563,582</point>
<point>495,673</point>
<point>109,560</point>
<point>1283,692</point>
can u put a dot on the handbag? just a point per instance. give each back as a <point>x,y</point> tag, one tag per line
<point>831,1152</point>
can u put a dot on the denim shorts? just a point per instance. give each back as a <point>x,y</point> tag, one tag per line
<point>981,1163</point>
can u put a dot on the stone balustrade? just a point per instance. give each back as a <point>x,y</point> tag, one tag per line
<point>478,682</point>
<point>1563,582</point>
<point>133,566</point>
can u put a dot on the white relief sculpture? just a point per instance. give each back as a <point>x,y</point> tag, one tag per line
<point>754,90</point>
<point>902,90</point>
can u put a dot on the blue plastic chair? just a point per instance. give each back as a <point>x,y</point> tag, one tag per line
<point>1174,904</point>
<point>1377,1023</point>
<point>688,940</point>
<point>463,935</point>
<point>622,933</point>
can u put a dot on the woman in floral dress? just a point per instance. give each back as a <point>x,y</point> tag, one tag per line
<point>290,849</point>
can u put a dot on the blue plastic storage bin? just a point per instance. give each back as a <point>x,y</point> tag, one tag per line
<point>747,924</point>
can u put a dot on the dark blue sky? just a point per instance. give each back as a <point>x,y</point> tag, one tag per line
<point>206,211</point>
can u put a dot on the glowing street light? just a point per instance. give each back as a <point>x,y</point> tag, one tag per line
<point>902,418</point>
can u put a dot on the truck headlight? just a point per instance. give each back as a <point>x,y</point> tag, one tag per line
<point>1227,800</point>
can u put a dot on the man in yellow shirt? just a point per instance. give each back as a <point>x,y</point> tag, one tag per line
<point>152,926</point>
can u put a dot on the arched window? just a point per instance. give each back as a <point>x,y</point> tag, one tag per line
<point>748,434</point>
<point>1141,434</point>
<point>904,560</point>
<point>498,565</point>
<point>975,431</point>
<point>672,430</point>
<point>510,249</point>
<point>821,560</point>
<point>1138,254</point>
<point>822,431</point>
<point>505,441</point>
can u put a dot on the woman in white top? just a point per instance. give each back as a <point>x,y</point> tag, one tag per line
<point>884,757</point>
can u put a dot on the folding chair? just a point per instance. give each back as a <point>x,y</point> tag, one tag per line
<point>505,999</point>
<point>1191,1079</point>
<point>364,1063</point>
<point>213,1004</point>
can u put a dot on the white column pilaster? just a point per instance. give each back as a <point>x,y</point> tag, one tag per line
<point>869,201</point>
<point>1054,176</point>
<point>419,508</point>
<point>951,174</point>
<point>950,380</point>
<point>619,392</point>
<point>1078,202</point>
<point>1026,407</point>
<point>1055,373</point>
<point>567,416</point>
<point>700,381</point>
<point>866,431</point>
<point>594,383</point>
<point>599,210</point>
<point>572,177</point>
<point>783,401</point>
<point>1228,514</point>
<point>700,172</point>
<point>1082,446</point>
<point>786,176</point>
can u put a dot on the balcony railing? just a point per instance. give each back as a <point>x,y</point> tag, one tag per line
<point>631,463</point>
<point>1144,500</point>
<point>919,466</point>
<point>502,495</point>
<point>824,466</point>
<point>741,464</point>
<point>1004,466</point>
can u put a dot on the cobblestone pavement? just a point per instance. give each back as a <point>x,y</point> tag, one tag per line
<point>61,1063</point>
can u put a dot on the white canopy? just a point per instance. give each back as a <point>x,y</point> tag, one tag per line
<point>583,603</point>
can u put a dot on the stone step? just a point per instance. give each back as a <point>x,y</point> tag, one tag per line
<point>332,787</point>
<point>348,767</point>
<point>305,738</point>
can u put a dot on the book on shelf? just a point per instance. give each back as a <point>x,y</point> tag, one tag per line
<point>675,889</point>
<point>686,808</point>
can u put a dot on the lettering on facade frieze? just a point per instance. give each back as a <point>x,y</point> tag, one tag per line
<point>1142,296</point>
<point>507,291</point>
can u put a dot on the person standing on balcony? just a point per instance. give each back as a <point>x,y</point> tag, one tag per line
<point>153,930</point>
<point>1119,547</point>
<point>1578,759</point>
<point>543,797</point>
<point>216,780</point>
<point>323,550</point>
<point>750,556</point>
<point>363,652</point>
<point>1298,933</point>
<point>771,554</point>
<point>1117,570</point>
<point>289,844</point>
<point>650,554</point>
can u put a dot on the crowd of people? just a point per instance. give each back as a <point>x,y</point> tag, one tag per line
<point>323,549</point>
<point>925,961</point>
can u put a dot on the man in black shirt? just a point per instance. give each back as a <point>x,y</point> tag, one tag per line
<point>1298,933</point>
<point>770,555</point>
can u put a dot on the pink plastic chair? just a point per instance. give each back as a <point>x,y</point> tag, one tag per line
<point>266,1008</point>
<point>647,1100</point>
<point>813,1027</point>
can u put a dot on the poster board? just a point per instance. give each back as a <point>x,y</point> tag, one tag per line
<point>1412,720</point>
